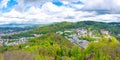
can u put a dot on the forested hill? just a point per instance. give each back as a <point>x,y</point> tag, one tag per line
<point>113,28</point>
<point>53,43</point>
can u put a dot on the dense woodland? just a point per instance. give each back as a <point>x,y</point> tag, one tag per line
<point>55,47</point>
<point>52,46</point>
<point>113,28</point>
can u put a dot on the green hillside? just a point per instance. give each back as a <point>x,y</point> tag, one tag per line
<point>114,29</point>
<point>53,46</point>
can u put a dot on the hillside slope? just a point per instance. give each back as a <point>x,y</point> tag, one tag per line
<point>114,29</point>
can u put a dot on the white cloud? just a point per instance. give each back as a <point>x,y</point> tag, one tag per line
<point>22,4</point>
<point>49,7</point>
<point>97,5</point>
<point>51,13</point>
<point>4,3</point>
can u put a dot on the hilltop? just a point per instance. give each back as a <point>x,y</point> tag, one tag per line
<point>86,40</point>
<point>112,28</point>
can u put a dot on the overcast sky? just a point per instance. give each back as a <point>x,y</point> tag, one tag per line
<point>47,11</point>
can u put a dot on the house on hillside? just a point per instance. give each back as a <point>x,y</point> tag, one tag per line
<point>105,32</point>
<point>81,32</point>
<point>82,43</point>
<point>1,41</point>
<point>37,35</point>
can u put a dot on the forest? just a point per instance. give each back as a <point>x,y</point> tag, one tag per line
<point>52,46</point>
<point>113,28</point>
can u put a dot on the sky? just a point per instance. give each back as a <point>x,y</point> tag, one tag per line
<point>49,11</point>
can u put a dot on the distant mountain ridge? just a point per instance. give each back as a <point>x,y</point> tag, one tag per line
<point>19,25</point>
<point>113,28</point>
<point>114,23</point>
<point>40,24</point>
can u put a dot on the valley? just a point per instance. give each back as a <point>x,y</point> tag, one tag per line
<point>86,40</point>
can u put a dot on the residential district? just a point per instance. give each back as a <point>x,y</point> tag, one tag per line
<point>76,36</point>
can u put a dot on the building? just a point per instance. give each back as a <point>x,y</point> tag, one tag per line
<point>81,32</point>
<point>1,41</point>
<point>104,32</point>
